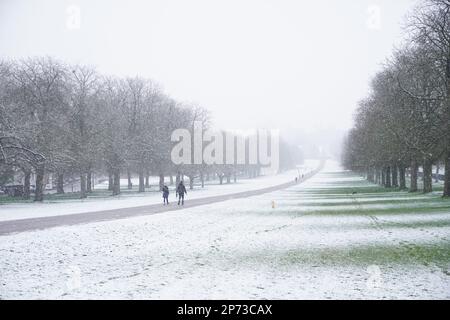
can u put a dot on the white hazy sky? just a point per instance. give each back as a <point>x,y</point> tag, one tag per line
<point>253,63</point>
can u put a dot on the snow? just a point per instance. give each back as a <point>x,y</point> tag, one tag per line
<point>238,249</point>
<point>433,170</point>
<point>17,211</point>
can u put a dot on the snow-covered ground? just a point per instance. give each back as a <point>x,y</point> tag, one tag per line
<point>18,211</point>
<point>433,170</point>
<point>244,249</point>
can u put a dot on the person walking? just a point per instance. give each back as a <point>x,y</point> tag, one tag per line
<point>165,192</point>
<point>181,191</point>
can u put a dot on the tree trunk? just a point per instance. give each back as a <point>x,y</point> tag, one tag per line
<point>414,169</point>
<point>116,184</point>
<point>388,177</point>
<point>402,173</point>
<point>395,176</point>
<point>220,178</point>
<point>110,181</point>
<point>228,179</point>
<point>141,180</point>
<point>39,192</point>
<point>436,177</point>
<point>89,182</point>
<point>369,175</point>
<point>147,179</point>
<point>383,177</point>
<point>235,177</point>
<point>171,179</point>
<point>177,179</point>
<point>202,179</point>
<point>83,186</point>
<point>191,183</point>
<point>427,176</point>
<point>26,185</point>
<point>60,184</point>
<point>447,175</point>
<point>130,184</point>
<point>161,182</point>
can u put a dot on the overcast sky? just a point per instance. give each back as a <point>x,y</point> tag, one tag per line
<point>253,63</point>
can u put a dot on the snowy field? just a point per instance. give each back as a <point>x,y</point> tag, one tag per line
<point>319,242</point>
<point>15,211</point>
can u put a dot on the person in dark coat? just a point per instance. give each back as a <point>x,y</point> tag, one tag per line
<point>165,192</point>
<point>181,191</point>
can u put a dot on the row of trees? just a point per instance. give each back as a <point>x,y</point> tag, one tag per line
<point>405,121</point>
<point>71,121</point>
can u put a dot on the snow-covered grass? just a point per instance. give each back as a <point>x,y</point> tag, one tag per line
<point>102,199</point>
<point>321,241</point>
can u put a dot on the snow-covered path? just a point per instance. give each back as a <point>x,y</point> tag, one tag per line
<point>315,244</point>
<point>40,223</point>
<point>16,211</point>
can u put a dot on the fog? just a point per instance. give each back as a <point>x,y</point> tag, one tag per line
<point>292,65</point>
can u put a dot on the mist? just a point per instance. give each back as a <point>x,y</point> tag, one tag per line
<point>273,64</point>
